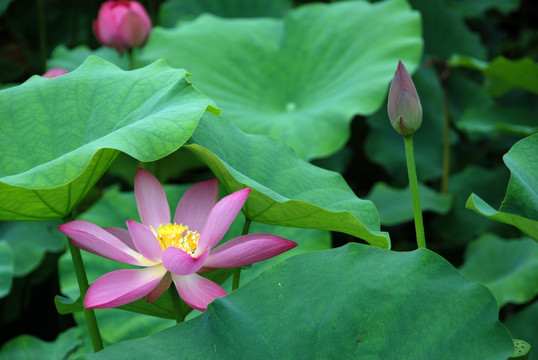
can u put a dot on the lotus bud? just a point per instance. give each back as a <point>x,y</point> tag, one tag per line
<point>122,25</point>
<point>403,106</point>
<point>54,72</point>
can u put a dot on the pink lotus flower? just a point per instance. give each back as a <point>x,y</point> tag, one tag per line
<point>122,25</point>
<point>171,251</point>
<point>54,72</point>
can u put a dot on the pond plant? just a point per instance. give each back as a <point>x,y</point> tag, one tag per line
<point>353,179</point>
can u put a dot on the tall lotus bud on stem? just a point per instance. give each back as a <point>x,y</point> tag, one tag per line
<point>122,25</point>
<point>405,111</point>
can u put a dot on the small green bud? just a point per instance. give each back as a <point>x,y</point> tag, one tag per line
<point>403,106</point>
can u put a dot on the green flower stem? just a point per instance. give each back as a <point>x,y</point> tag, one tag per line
<point>131,58</point>
<point>176,302</point>
<point>82,280</point>
<point>237,271</point>
<point>413,186</point>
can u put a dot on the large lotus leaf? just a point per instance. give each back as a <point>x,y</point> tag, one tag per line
<point>60,135</point>
<point>509,268</point>
<point>172,11</point>
<point>520,205</point>
<point>6,268</point>
<point>503,74</point>
<point>445,32</point>
<point>395,205</point>
<point>418,307</point>
<point>29,242</point>
<point>491,119</point>
<point>29,347</point>
<point>460,225</point>
<point>385,147</point>
<point>70,59</point>
<point>300,79</point>
<point>523,326</point>
<point>286,190</point>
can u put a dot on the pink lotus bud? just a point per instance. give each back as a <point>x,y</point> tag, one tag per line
<point>54,72</point>
<point>403,106</point>
<point>122,25</point>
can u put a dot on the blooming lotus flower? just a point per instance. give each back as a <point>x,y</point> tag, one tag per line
<point>403,106</point>
<point>171,250</point>
<point>122,25</point>
<point>54,72</point>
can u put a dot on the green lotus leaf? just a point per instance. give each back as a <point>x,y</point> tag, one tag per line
<point>411,307</point>
<point>30,241</point>
<point>31,348</point>
<point>520,205</point>
<point>301,79</point>
<point>523,326</point>
<point>286,190</point>
<point>70,59</point>
<point>509,268</point>
<point>461,226</point>
<point>503,74</point>
<point>491,119</point>
<point>172,11</point>
<point>60,135</point>
<point>395,205</point>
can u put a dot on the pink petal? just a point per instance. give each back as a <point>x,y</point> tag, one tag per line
<point>196,204</point>
<point>179,262</point>
<point>197,291</point>
<point>121,287</point>
<point>96,240</point>
<point>163,285</point>
<point>220,218</point>
<point>132,30</point>
<point>123,235</point>
<point>151,200</point>
<point>141,11</point>
<point>247,249</point>
<point>106,24</point>
<point>145,241</point>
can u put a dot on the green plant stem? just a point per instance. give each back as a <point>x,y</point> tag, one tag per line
<point>415,195</point>
<point>131,58</point>
<point>237,271</point>
<point>82,280</point>
<point>176,302</point>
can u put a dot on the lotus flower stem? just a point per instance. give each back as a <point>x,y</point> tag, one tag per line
<point>176,302</point>
<point>413,186</point>
<point>237,270</point>
<point>130,56</point>
<point>82,280</point>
